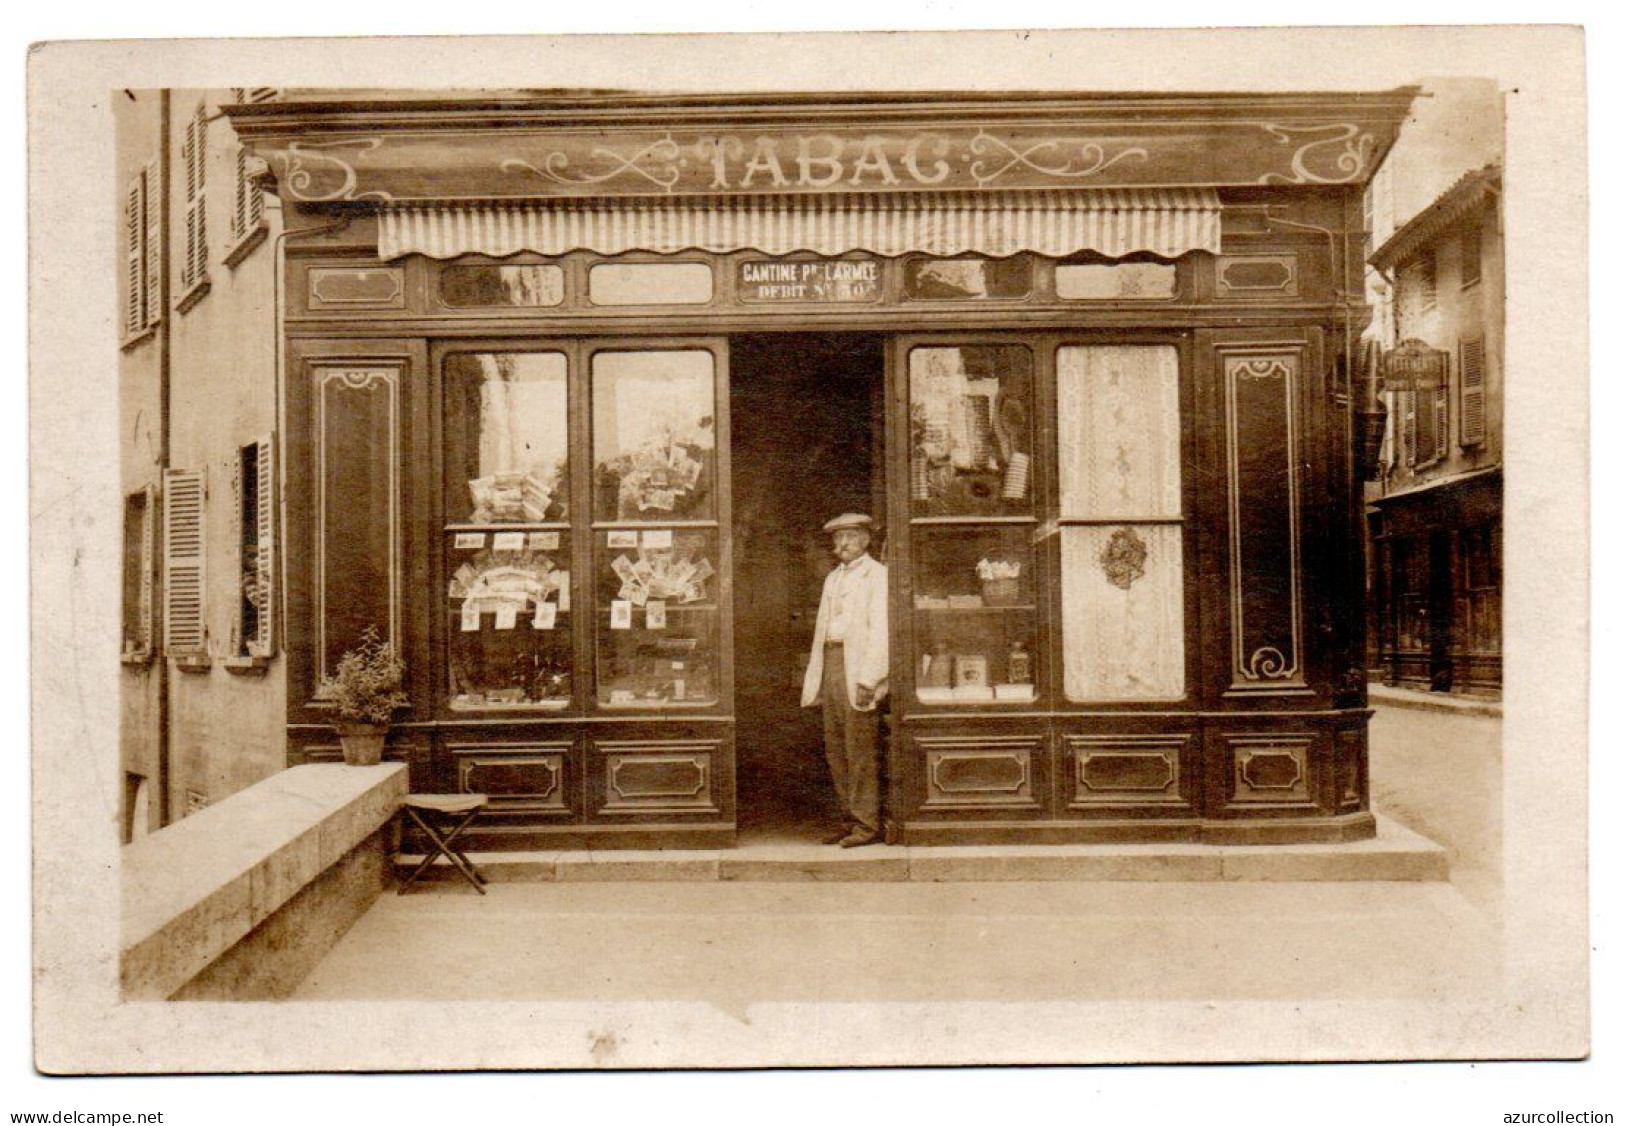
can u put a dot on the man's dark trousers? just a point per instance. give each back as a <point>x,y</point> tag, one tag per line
<point>851,744</point>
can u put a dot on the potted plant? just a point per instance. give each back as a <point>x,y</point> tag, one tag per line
<point>365,691</point>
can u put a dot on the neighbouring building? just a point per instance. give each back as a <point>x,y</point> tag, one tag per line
<point>1435,510</point>
<point>202,684</point>
<point>554,391</point>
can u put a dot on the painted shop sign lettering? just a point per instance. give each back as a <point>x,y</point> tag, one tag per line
<point>792,280</point>
<point>401,167</point>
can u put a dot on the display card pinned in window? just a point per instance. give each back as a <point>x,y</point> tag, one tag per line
<point>776,280</point>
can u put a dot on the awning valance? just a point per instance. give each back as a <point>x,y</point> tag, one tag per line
<point>1116,222</point>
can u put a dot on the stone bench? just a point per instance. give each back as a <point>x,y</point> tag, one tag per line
<point>240,900</point>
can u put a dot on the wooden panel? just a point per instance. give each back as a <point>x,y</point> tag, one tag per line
<point>994,771</point>
<point>1257,277</point>
<point>659,777</point>
<point>338,288</point>
<point>528,778</point>
<point>1117,770</point>
<point>1270,769</point>
<point>357,518</point>
<point>1263,466</point>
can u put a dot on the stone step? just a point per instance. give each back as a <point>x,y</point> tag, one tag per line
<point>1395,853</point>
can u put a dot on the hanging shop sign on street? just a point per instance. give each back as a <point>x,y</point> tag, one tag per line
<point>779,280</point>
<point>1415,366</point>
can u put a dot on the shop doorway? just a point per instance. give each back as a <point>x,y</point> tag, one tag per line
<point>808,441</point>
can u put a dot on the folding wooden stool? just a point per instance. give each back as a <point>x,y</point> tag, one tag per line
<point>442,817</point>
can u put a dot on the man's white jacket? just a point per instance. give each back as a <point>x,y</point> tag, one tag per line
<point>867,641</point>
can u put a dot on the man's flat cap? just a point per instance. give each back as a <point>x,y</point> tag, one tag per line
<point>849,520</point>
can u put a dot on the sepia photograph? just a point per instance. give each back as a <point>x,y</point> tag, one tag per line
<point>869,572</point>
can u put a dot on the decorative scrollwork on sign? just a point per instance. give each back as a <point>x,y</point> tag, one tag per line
<point>1267,663</point>
<point>655,162</point>
<point>1348,151</point>
<point>1047,158</point>
<point>310,167</point>
<point>1265,368</point>
<point>1123,559</point>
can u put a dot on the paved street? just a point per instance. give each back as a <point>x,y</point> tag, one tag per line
<point>735,944</point>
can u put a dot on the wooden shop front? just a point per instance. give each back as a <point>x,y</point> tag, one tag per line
<point>571,383</point>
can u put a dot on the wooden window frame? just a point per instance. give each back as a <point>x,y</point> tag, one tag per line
<point>249,227</point>
<point>144,501</point>
<point>254,627</point>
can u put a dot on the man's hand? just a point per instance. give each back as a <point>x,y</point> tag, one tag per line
<point>866,696</point>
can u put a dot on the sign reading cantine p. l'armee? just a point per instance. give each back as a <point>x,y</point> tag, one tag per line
<point>815,279</point>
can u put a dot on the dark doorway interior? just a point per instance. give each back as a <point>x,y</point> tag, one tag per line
<point>807,422</point>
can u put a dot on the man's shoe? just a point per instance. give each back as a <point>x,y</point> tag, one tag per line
<point>839,835</point>
<point>859,837</point>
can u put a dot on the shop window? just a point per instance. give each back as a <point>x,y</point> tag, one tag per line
<point>195,259</point>
<point>961,279</point>
<point>971,430</point>
<point>507,546</point>
<point>1116,281</point>
<point>508,605</point>
<point>654,435</point>
<point>975,614</point>
<point>656,617</point>
<point>971,482</point>
<point>1121,518</point>
<point>1477,582</point>
<point>139,533</point>
<point>513,287</point>
<point>1410,578</point>
<point>256,537</point>
<point>650,283</point>
<point>184,499</point>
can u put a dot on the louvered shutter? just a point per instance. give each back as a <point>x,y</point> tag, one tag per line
<point>183,561</point>
<point>194,155</point>
<point>1441,422</point>
<point>149,535</point>
<point>134,220</point>
<point>1472,391</point>
<point>154,245</point>
<point>239,203</point>
<point>1407,426</point>
<point>262,643</point>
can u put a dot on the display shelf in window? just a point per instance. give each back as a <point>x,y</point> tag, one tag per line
<point>971,430</point>
<point>506,438</point>
<point>654,435</point>
<point>508,610</point>
<point>975,615</point>
<point>656,621</point>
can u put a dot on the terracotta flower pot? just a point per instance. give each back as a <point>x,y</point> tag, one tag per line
<point>363,743</point>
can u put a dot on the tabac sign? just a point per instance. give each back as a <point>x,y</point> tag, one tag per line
<point>404,153</point>
<point>1414,366</point>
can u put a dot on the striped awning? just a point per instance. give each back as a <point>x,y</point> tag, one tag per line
<point>1165,222</point>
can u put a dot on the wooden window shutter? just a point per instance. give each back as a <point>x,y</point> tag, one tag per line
<point>1472,254</point>
<point>1441,422</point>
<point>1472,391</point>
<point>1407,426</point>
<point>239,204</point>
<point>155,245</point>
<point>261,643</point>
<point>134,258</point>
<point>194,154</point>
<point>149,538</point>
<point>183,560</point>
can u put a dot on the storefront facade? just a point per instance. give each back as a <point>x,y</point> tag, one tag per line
<point>570,385</point>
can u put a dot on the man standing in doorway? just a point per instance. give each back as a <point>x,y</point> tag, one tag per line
<point>847,671</point>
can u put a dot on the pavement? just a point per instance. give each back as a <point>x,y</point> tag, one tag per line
<point>735,944</point>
